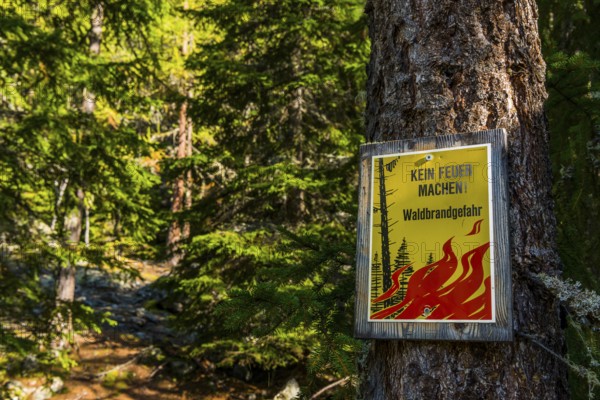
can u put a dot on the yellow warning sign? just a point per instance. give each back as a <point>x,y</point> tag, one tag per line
<point>431,231</point>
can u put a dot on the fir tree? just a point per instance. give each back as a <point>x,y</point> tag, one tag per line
<point>402,259</point>
<point>569,31</point>
<point>430,259</point>
<point>73,144</point>
<point>280,99</point>
<point>376,283</point>
<point>572,52</point>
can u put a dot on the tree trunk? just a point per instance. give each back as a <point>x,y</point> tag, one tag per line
<point>385,233</point>
<point>66,282</point>
<point>182,188</point>
<point>296,203</point>
<point>60,193</point>
<point>450,66</point>
<point>178,199</point>
<point>65,287</point>
<point>188,176</point>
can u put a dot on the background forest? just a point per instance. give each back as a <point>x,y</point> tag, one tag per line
<point>218,140</point>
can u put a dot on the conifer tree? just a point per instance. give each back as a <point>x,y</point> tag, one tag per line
<point>72,140</point>
<point>376,283</point>
<point>402,259</point>
<point>65,285</point>
<point>280,98</point>
<point>430,259</point>
<point>181,198</point>
<point>569,31</point>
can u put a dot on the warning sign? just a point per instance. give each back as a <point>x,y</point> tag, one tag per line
<point>431,230</point>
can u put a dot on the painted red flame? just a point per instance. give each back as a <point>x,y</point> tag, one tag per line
<point>455,296</point>
<point>428,291</point>
<point>395,285</point>
<point>476,228</point>
<point>421,282</point>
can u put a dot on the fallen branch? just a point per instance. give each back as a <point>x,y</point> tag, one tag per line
<point>124,365</point>
<point>330,386</point>
<point>156,371</point>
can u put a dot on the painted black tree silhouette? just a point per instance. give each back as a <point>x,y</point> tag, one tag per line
<point>402,259</point>
<point>376,283</point>
<point>385,225</point>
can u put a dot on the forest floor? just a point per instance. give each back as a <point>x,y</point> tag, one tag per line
<point>140,358</point>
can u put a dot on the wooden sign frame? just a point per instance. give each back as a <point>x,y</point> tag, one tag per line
<point>497,324</point>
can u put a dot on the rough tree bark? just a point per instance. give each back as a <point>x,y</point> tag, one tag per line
<point>449,66</point>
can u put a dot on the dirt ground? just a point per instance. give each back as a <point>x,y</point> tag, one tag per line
<point>111,369</point>
<point>142,357</point>
<point>137,359</point>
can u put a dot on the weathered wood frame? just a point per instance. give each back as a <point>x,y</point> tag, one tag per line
<point>501,329</point>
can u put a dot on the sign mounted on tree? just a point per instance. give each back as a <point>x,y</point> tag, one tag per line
<point>433,259</point>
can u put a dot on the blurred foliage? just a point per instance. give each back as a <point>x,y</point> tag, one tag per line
<point>267,278</point>
<point>57,157</point>
<point>569,32</point>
